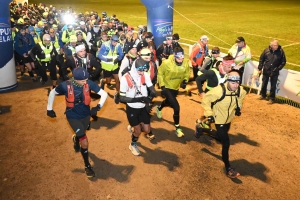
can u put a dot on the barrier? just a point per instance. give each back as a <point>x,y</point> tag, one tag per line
<point>288,84</point>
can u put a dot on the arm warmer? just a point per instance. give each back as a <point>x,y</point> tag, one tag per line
<point>51,99</point>
<point>103,98</point>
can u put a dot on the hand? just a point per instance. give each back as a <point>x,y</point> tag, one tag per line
<point>94,110</point>
<point>183,84</point>
<point>202,95</point>
<point>61,50</point>
<point>211,119</point>
<point>146,100</point>
<point>148,107</point>
<point>238,111</point>
<point>116,61</point>
<point>109,59</point>
<point>24,55</point>
<point>51,113</point>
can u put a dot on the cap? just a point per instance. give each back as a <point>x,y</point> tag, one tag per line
<point>141,45</point>
<point>149,35</point>
<point>145,53</point>
<point>141,65</point>
<point>130,28</point>
<point>46,37</point>
<point>79,48</point>
<point>40,23</point>
<point>115,38</point>
<point>96,23</point>
<point>81,23</point>
<point>176,36</point>
<point>240,39</point>
<point>131,45</point>
<point>80,73</point>
<point>204,37</point>
<point>30,29</point>
<point>120,28</point>
<point>70,26</point>
<point>73,38</point>
<point>178,52</point>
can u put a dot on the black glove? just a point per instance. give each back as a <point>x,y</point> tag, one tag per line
<point>211,119</point>
<point>91,76</point>
<point>51,113</point>
<point>148,107</point>
<point>183,84</point>
<point>238,111</point>
<point>109,59</point>
<point>146,100</point>
<point>94,110</point>
<point>163,90</point>
<point>116,61</point>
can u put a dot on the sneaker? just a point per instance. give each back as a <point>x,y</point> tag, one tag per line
<point>110,86</point>
<point>129,129</point>
<point>34,79</point>
<point>179,132</point>
<point>202,124</point>
<point>262,98</point>
<point>158,112</point>
<point>89,171</point>
<point>188,92</point>
<point>271,101</point>
<point>76,144</point>
<point>102,83</point>
<point>150,136</point>
<point>117,98</point>
<point>231,173</point>
<point>134,149</point>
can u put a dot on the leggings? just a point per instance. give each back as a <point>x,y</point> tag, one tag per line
<point>172,102</point>
<point>222,134</point>
<point>43,70</point>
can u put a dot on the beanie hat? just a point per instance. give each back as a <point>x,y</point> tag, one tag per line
<point>131,45</point>
<point>80,73</point>
<point>79,47</point>
<point>176,36</point>
<point>73,38</point>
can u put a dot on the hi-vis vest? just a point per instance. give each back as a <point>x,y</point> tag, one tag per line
<point>109,66</point>
<point>56,44</point>
<point>220,79</point>
<point>70,99</point>
<point>47,52</point>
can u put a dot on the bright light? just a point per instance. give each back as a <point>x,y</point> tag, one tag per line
<point>68,19</point>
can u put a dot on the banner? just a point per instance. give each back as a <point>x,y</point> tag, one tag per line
<point>8,79</point>
<point>159,18</point>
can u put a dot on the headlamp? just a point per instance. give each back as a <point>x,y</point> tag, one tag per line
<point>236,79</point>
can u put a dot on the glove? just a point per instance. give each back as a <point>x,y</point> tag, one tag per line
<point>91,76</point>
<point>238,111</point>
<point>148,107</point>
<point>116,61</point>
<point>211,119</point>
<point>146,100</point>
<point>183,84</point>
<point>109,60</point>
<point>94,110</point>
<point>51,113</point>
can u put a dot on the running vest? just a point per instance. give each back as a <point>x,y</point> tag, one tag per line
<point>71,48</point>
<point>110,66</point>
<point>220,79</point>
<point>70,99</point>
<point>78,61</point>
<point>128,68</point>
<point>130,81</point>
<point>47,52</point>
<point>94,35</point>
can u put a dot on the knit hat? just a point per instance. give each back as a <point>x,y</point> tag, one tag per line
<point>131,45</point>
<point>80,73</point>
<point>79,47</point>
<point>176,36</point>
<point>73,38</point>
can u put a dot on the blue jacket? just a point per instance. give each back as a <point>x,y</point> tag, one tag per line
<point>104,51</point>
<point>23,43</point>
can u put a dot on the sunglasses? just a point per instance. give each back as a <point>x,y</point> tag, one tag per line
<point>145,54</point>
<point>142,68</point>
<point>215,52</point>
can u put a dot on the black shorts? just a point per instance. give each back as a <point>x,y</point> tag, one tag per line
<point>22,60</point>
<point>137,115</point>
<point>79,126</point>
<point>108,74</point>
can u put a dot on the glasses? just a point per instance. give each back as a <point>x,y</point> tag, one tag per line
<point>143,68</point>
<point>145,54</point>
<point>215,52</point>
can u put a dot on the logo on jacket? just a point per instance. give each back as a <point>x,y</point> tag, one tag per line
<point>5,43</point>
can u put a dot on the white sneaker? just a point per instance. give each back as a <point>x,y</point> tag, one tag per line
<point>134,149</point>
<point>129,129</point>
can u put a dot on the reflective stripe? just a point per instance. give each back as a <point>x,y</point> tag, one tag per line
<point>47,52</point>
<point>109,66</point>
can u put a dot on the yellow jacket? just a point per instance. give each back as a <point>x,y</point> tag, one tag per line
<point>170,75</point>
<point>224,110</point>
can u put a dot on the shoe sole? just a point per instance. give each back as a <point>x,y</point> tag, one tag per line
<point>132,152</point>
<point>150,137</point>
<point>179,135</point>
<point>232,177</point>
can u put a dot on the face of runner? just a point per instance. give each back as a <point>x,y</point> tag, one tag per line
<point>81,82</point>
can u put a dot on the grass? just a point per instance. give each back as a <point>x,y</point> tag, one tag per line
<point>256,21</point>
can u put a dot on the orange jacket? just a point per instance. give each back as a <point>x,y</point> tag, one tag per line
<point>198,54</point>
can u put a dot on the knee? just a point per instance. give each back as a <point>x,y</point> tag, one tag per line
<point>83,141</point>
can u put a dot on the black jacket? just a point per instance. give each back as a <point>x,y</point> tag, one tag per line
<point>272,61</point>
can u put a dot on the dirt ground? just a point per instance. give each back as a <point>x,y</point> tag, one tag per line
<point>37,160</point>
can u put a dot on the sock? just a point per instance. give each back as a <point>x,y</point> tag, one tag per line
<point>134,139</point>
<point>85,155</point>
<point>177,126</point>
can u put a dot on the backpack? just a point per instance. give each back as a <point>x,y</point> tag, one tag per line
<point>224,94</point>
